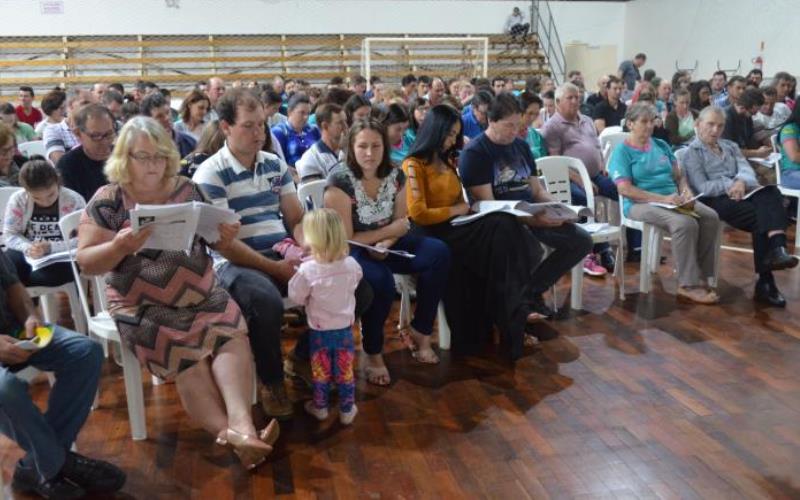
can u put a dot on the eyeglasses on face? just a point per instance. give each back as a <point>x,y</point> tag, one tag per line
<point>147,158</point>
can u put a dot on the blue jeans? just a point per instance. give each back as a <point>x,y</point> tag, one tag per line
<point>606,188</point>
<point>431,266</point>
<point>46,438</point>
<point>790,179</point>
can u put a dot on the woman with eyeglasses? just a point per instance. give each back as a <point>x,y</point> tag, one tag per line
<point>168,307</point>
<point>10,161</point>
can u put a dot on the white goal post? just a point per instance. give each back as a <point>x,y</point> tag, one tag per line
<point>396,56</point>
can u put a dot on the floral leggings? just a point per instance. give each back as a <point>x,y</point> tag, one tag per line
<point>332,356</point>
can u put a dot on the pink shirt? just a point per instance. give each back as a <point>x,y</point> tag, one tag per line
<point>327,291</point>
<point>574,138</point>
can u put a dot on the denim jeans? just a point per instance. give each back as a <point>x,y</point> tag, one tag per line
<point>76,361</point>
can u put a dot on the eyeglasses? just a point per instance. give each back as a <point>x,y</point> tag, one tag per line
<point>149,159</point>
<point>98,137</point>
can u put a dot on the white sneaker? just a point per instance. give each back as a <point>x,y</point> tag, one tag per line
<point>346,418</point>
<point>318,413</point>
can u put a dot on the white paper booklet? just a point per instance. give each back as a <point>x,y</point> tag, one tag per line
<point>401,253</point>
<point>769,161</point>
<point>552,210</point>
<point>754,191</point>
<point>174,226</point>
<point>673,207</point>
<point>52,258</point>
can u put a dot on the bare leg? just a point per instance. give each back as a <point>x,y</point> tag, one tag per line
<point>201,398</point>
<point>232,370</point>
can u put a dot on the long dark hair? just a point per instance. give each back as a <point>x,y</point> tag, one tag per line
<point>353,103</point>
<point>368,124</point>
<point>412,120</point>
<point>431,136</point>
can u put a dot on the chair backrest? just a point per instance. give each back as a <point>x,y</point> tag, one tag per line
<point>31,148</point>
<point>69,226</point>
<point>555,170</point>
<point>773,139</point>
<point>679,154</point>
<point>311,194</point>
<point>609,141</point>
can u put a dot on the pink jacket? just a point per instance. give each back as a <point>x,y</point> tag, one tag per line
<point>327,291</point>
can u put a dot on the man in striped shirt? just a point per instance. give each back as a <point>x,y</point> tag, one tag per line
<point>258,186</point>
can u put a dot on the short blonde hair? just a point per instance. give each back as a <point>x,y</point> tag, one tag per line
<point>116,168</point>
<point>323,232</point>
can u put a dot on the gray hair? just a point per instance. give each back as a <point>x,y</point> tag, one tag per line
<point>711,110</point>
<point>566,88</point>
<point>640,110</point>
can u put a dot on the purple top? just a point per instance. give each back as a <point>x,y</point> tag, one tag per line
<point>574,138</point>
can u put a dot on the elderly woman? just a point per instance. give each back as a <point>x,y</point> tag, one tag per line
<point>716,167</point>
<point>645,171</point>
<point>167,305</point>
<point>370,196</point>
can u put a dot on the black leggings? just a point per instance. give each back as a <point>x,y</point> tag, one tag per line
<point>52,275</point>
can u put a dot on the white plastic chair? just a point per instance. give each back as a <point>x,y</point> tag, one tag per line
<point>102,326</point>
<point>46,293</point>
<point>792,193</point>
<point>313,191</point>
<point>609,141</point>
<point>556,173</point>
<point>31,148</point>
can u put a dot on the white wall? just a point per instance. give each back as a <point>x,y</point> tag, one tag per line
<point>597,23</point>
<point>708,31</point>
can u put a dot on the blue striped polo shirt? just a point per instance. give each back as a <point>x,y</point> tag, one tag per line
<point>254,194</point>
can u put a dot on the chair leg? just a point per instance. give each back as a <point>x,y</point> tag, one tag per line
<point>444,328</point>
<point>797,230</point>
<point>619,269</point>
<point>132,373</point>
<point>76,311</point>
<point>49,308</point>
<point>576,294</point>
<point>644,266</point>
<point>714,280</point>
<point>255,385</point>
<point>405,310</point>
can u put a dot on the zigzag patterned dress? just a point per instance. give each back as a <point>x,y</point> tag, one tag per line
<point>168,306</point>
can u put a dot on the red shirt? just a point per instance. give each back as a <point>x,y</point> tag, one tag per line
<point>31,119</point>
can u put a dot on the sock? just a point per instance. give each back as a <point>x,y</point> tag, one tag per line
<point>777,240</point>
<point>766,276</point>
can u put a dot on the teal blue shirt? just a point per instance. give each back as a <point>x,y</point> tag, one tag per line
<point>789,131</point>
<point>649,169</point>
<point>536,143</point>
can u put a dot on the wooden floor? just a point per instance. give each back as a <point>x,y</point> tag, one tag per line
<point>644,398</point>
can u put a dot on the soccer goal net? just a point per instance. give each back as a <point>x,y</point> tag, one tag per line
<point>391,58</point>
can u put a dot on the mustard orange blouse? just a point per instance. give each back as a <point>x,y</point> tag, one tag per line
<point>430,194</point>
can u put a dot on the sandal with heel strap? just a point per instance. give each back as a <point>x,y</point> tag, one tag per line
<point>427,356</point>
<point>251,450</point>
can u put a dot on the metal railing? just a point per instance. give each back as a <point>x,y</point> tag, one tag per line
<point>542,22</point>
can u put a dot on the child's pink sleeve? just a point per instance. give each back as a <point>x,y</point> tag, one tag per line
<point>299,288</point>
<point>355,267</point>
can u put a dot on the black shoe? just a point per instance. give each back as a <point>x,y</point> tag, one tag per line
<point>539,307</point>
<point>778,259</point>
<point>94,476</point>
<point>767,293</point>
<point>607,260</point>
<point>27,480</point>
